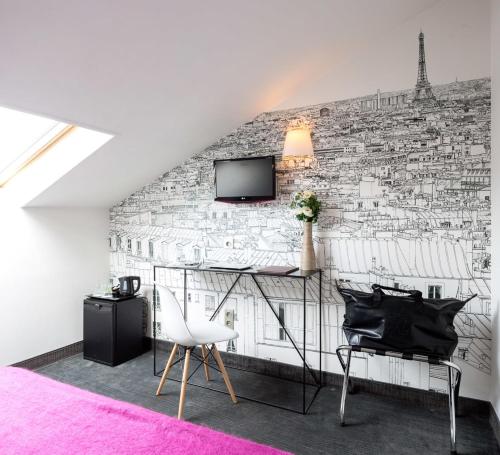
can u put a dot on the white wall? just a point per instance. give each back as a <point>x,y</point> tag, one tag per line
<point>232,60</point>
<point>456,46</point>
<point>49,258</point>
<point>495,200</point>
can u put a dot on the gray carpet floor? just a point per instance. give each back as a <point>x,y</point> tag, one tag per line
<point>374,424</point>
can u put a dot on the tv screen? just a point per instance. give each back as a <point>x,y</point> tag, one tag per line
<point>245,179</point>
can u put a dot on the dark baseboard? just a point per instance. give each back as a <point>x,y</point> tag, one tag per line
<point>51,357</point>
<point>429,399</point>
<point>425,398</point>
<point>495,423</point>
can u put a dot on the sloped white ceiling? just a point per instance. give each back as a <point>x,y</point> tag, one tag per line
<point>169,77</point>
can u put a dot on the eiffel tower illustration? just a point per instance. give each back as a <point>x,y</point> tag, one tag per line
<point>423,89</point>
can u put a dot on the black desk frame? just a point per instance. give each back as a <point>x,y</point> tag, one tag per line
<point>299,275</point>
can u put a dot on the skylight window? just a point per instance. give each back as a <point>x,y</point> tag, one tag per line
<point>24,138</point>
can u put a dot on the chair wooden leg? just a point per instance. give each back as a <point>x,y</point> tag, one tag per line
<point>167,368</point>
<point>204,352</point>
<point>185,375</point>
<point>223,371</point>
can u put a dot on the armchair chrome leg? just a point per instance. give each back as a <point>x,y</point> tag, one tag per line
<point>451,395</point>
<point>458,379</point>
<point>345,385</point>
<point>454,375</point>
<point>350,388</point>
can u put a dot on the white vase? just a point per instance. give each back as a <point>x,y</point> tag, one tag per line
<point>307,258</point>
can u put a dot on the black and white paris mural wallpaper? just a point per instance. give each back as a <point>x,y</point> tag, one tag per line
<point>404,178</point>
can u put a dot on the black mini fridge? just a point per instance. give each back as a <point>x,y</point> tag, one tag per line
<point>113,330</point>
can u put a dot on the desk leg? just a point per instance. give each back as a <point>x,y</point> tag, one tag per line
<point>154,321</point>
<point>283,326</point>
<point>320,330</point>
<point>185,294</point>
<point>304,350</point>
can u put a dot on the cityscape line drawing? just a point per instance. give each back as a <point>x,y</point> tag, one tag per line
<point>404,178</point>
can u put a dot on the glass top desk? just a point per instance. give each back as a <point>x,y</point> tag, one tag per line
<point>302,275</point>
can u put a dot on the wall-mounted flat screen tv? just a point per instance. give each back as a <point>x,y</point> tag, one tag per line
<point>245,179</point>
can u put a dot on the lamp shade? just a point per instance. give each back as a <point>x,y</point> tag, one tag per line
<point>298,143</point>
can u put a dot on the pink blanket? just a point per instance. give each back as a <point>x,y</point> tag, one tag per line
<point>42,416</point>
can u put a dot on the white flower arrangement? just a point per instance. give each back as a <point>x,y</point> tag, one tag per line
<point>306,205</point>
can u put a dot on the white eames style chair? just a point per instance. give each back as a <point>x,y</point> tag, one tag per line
<point>188,335</point>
